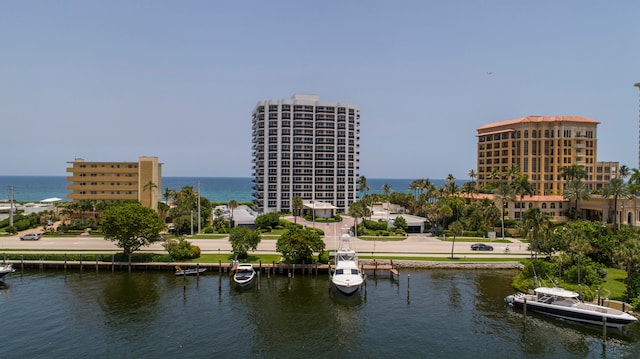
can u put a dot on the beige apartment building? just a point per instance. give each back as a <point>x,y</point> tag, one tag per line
<point>541,146</point>
<point>111,181</point>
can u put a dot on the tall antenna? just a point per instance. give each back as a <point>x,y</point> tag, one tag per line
<point>637,84</point>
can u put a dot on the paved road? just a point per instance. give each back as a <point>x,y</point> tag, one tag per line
<point>418,244</point>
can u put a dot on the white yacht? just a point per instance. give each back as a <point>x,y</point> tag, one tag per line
<point>565,304</point>
<point>5,269</point>
<point>346,275</point>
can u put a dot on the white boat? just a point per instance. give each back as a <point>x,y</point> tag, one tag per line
<point>346,275</point>
<point>6,269</point>
<point>244,275</point>
<point>565,304</point>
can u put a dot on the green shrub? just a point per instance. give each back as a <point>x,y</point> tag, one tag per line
<point>181,249</point>
<point>375,226</point>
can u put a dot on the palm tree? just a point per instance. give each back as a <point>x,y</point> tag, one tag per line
<point>624,172</point>
<point>522,187</point>
<point>495,174</point>
<point>150,186</point>
<point>233,204</point>
<point>616,188</point>
<point>627,250</point>
<point>578,244</point>
<point>635,176</point>
<point>168,194</point>
<point>473,175</point>
<point>504,194</point>
<point>297,205</point>
<point>513,171</point>
<point>386,189</point>
<point>576,190</point>
<point>537,224</point>
<point>358,210</point>
<point>573,172</point>
<point>450,188</point>
<point>363,186</point>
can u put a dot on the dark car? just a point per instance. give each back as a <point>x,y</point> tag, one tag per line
<point>481,247</point>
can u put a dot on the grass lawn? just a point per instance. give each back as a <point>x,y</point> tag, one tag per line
<point>614,285</point>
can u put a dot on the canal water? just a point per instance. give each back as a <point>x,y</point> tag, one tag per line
<point>427,314</point>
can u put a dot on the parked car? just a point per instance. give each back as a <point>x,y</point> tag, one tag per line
<point>30,237</point>
<point>481,247</point>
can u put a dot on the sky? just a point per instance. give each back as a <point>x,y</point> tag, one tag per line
<point>115,80</point>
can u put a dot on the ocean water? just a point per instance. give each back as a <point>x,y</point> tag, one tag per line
<point>216,189</point>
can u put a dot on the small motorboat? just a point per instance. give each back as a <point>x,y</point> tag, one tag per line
<point>244,275</point>
<point>190,271</point>
<point>346,276</point>
<point>565,304</point>
<point>5,269</point>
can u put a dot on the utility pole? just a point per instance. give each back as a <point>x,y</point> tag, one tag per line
<point>637,84</point>
<point>11,206</point>
<point>199,216</point>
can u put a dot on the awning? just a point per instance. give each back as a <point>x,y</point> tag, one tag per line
<point>51,200</point>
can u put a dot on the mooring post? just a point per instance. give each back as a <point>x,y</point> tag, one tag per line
<point>197,269</point>
<point>113,262</point>
<point>259,277</point>
<point>524,309</point>
<point>599,296</point>
<point>293,271</point>
<point>129,262</point>
<point>604,330</point>
<point>65,262</point>
<point>260,266</point>
<point>375,268</point>
<point>80,262</point>
<point>96,263</point>
<point>289,280</point>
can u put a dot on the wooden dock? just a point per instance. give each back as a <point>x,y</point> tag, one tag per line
<point>374,269</point>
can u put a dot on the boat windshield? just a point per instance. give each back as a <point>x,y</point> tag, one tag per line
<point>354,271</point>
<point>340,271</point>
<point>346,257</point>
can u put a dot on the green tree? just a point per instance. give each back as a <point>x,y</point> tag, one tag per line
<point>522,187</point>
<point>617,189</point>
<point>537,226</point>
<point>296,206</point>
<point>180,248</point>
<point>503,195</point>
<point>243,240</point>
<point>297,245</point>
<point>573,172</point>
<point>131,226</point>
<point>267,221</point>
<point>401,223</point>
<point>575,190</point>
<point>456,229</point>
<point>220,224</point>
<point>627,250</point>
<point>233,204</point>
<point>358,210</point>
<point>150,187</point>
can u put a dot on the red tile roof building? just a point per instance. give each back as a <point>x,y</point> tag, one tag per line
<point>540,146</point>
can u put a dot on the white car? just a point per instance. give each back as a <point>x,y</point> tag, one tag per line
<point>30,237</point>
